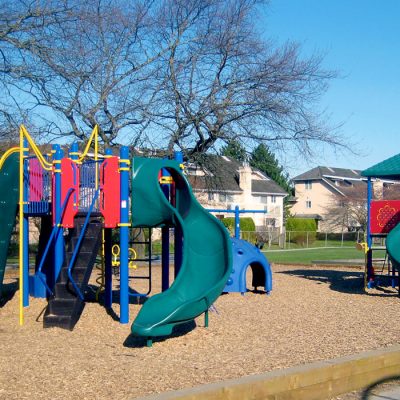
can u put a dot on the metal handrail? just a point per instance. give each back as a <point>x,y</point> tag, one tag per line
<point>78,245</point>
<point>45,164</point>
<point>53,233</point>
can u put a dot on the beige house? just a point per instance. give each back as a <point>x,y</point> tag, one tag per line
<point>334,197</point>
<point>224,183</point>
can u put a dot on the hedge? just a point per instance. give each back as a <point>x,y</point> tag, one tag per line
<point>246,224</point>
<point>247,227</point>
<point>302,230</point>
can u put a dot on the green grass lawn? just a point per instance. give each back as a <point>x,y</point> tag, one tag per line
<point>306,256</point>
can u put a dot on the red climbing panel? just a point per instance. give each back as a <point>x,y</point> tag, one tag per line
<point>69,180</point>
<point>385,215</point>
<point>110,192</point>
<point>35,180</point>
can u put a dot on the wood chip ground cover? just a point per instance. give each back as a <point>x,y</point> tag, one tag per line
<point>312,314</point>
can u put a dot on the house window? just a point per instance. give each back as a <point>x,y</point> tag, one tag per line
<point>222,197</point>
<point>263,199</point>
<point>225,198</point>
<point>308,204</point>
<point>308,185</point>
<point>273,199</point>
<point>270,222</point>
<point>210,196</point>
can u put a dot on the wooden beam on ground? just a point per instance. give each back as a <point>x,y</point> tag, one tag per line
<point>320,380</point>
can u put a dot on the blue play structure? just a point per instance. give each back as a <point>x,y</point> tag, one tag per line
<point>246,255</point>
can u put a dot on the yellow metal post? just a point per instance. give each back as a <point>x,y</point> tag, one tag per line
<point>21,226</point>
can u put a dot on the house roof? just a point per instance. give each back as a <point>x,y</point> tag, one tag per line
<point>389,168</point>
<point>222,174</point>
<point>321,171</point>
<point>267,186</point>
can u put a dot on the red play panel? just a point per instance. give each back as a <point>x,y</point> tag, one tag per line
<point>385,215</point>
<point>110,189</point>
<point>35,180</point>
<point>69,180</point>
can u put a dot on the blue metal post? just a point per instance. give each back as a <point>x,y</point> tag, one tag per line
<point>164,258</point>
<point>178,247</point>
<point>165,241</point>
<point>369,199</point>
<point>108,260</point>
<point>369,237</point>
<point>178,239</point>
<point>124,235</point>
<point>108,267</point>
<point>59,237</point>
<point>237,213</point>
<point>74,151</point>
<point>26,229</point>
<point>237,223</point>
<point>178,156</point>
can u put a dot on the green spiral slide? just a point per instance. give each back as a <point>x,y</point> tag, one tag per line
<point>207,254</point>
<point>9,194</point>
<point>393,246</point>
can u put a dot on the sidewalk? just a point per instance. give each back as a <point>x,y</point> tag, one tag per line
<point>386,391</point>
<point>387,394</point>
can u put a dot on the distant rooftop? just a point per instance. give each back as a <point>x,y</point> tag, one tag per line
<point>328,172</point>
<point>221,173</point>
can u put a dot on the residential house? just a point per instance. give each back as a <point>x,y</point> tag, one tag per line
<point>223,183</point>
<point>334,197</point>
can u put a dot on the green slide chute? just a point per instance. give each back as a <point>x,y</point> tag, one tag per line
<point>393,246</point>
<point>207,254</point>
<point>9,194</point>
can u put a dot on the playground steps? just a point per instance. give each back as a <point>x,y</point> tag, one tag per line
<point>65,306</point>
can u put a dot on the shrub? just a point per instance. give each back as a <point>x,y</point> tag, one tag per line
<point>247,225</point>
<point>300,229</point>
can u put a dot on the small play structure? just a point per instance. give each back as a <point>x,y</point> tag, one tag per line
<point>81,198</point>
<point>383,223</point>
<point>246,255</point>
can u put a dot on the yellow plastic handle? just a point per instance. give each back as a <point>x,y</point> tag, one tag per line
<point>132,256</point>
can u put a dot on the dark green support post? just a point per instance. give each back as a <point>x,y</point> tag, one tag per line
<point>206,319</point>
<point>149,342</point>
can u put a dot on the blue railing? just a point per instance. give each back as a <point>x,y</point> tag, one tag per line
<point>78,244</point>
<point>56,228</point>
<point>39,184</point>
<point>89,171</point>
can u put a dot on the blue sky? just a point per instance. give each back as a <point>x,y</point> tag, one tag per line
<point>360,40</point>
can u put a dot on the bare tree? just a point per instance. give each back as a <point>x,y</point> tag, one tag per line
<point>348,211</point>
<point>223,81</point>
<point>172,73</point>
<point>21,24</point>
<point>90,67</point>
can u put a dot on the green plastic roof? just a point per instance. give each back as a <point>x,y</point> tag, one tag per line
<point>389,168</point>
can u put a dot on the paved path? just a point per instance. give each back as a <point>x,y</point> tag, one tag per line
<point>387,394</point>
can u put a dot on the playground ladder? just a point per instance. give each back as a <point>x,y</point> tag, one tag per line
<point>66,306</point>
<point>148,260</point>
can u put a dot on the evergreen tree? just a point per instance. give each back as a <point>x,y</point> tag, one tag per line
<point>235,150</point>
<point>265,161</point>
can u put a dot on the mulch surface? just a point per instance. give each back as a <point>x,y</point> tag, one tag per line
<point>312,314</point>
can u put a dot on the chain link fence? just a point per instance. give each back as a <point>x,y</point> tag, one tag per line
<point>273,239</point>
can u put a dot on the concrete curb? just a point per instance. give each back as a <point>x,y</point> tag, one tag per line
<point>314,381</point>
